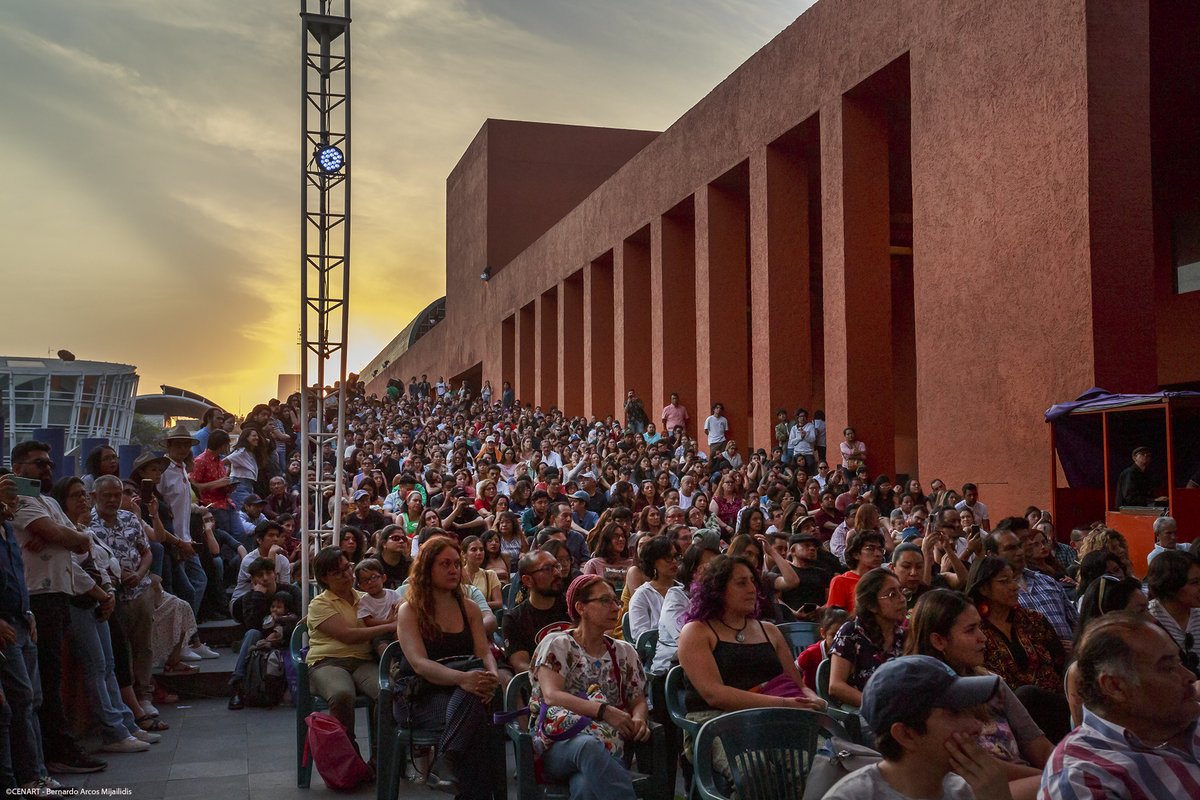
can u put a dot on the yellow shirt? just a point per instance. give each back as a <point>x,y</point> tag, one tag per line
<point>485,580</point>
<point>322,645</point>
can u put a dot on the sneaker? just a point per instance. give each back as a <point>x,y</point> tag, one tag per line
<point>51,784</point>
<point>43,787</point>
<point>76,763</point>
<point>189,654</point>
<point>204,651</point>
<point>130,744</point>
<point>146,736</point>
<point>147,707</point>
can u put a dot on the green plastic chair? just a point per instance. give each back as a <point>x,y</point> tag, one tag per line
<point>647,643</point>
<point>770,752</point>
<point>799,635</point>
<point>846,715</point>
<point>307,703</point>
<point>395,743</point>
<point>650,782</point>
<point>626,628</point>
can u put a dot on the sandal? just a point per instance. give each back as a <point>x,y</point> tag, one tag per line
<point>152,724</point>
<point>163,697</point>
<point>179,668</point>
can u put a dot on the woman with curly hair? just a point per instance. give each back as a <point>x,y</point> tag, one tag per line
<point>864,552</point>
<point>728,655</point>
<point>613,556</point>
<point>1106,539</point>
<point>874,634</point>
<point>437,626</point>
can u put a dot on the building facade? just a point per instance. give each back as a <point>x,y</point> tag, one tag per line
<point>930,218</point>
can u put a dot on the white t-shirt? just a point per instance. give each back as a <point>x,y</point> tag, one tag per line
<point>979,510</point>
<point>378,607</point>
<point>283,572</point>
<point>716,427</point>
<point>868,784</point>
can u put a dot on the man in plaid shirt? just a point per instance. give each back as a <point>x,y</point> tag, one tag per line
<point>1039,592</point>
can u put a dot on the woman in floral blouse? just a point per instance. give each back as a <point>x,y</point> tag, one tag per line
<point>874,635</point>
<point>583,674</point>
<point>1022,647</point>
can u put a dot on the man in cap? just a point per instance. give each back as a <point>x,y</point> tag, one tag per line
<point>926,727</point>
<point>1139,736</point>
<point>580,515</point>
<point>803,549</point>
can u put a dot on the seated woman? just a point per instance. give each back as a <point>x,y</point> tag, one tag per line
<point>1022,647</point>
<point>494,558</point>
<point>777,574</point>
<point>339,649</point>
<point>946,626</point>
<point>586,673</point>
<point>613,558</point>
<point>733,660</point>
<point>437,624</point>
<point>659,562</point>
<point>864,552</point>
<point>1175,602</point>
<point>1105,595</point>
<point>675,604</point>
<point>475,574</point>
<point>874,635</point>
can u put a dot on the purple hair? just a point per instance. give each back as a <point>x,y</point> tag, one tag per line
<point>707,599</point>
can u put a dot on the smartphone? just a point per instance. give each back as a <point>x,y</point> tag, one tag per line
<point>147,490</point>
<point>27,487</point>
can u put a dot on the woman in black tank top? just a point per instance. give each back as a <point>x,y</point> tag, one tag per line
<point>727,654</point>
<point>437,627</point>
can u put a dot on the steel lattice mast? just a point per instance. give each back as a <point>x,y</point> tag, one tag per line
<point>325,263</point>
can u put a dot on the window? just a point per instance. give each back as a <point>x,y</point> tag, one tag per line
<point>1185,236</point>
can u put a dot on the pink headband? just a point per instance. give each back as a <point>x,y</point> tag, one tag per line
<point>578,591</point>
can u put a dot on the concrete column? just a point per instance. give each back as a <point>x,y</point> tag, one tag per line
<point>524,386</point>
<point>570,344</point>
<point>546,322</point>
<point>857,270</point>
<point>631,317</point>
<point>598,354</point>
<point>673,312</point>
<point>781,327</point>
<point>722,336</point>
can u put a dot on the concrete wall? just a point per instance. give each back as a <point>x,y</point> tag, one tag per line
<point>1021,135</point>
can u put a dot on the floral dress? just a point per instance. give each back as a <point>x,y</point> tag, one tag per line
<point>1033,657</point>
<point>853,644</point>
<point>622,684</point>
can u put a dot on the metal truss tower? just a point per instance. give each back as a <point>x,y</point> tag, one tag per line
<point>325,265</point>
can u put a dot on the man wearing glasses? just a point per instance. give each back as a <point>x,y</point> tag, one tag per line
<point>542,576</point>
<point>48,538</point>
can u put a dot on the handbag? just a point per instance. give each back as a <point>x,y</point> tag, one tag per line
<point>836,759</point>
<point>411,687</point>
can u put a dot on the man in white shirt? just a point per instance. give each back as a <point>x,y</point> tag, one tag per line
<point>716,426</point>
<point>1166,533</point>
<point>971,500</point>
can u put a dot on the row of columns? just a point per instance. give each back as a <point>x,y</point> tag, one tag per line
<point>712,299</point>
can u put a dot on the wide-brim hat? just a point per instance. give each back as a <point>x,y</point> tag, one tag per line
<point>179,432</point>
<point>146,459</point>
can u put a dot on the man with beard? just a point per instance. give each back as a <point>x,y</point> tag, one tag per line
<point>542,577</point>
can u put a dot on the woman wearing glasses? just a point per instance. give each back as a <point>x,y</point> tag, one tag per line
<point>874,634</point>
<point>393,555</point>
<point>1174,583</point>
<point>864,552</point>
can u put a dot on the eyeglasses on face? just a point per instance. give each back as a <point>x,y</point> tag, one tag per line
<point>870,548</point>
<point>892,594</point>
<point>41,463</point>
<point>604,599</point>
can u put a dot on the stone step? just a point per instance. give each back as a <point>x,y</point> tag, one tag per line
<point>221,633</point>
<point>212,680</point>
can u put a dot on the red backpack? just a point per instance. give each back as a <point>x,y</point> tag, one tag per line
<point>336,759</point>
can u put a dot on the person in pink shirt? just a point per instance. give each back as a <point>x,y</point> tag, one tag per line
<point>674,416</point>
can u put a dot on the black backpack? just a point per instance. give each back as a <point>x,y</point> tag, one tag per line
<point>265,683</point>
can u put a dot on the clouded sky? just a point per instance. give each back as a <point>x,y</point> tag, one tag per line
<point>150,210</point>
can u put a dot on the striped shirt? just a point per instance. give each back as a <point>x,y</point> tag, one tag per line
<point>1104,761</point>
<point>1180,636</point>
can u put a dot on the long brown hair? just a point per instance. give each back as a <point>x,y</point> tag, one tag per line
<point>420,585</point>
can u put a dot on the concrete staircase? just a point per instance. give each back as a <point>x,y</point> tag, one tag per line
<point>212,680</point>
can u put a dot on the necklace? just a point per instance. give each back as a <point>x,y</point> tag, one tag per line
<point>738,633</point>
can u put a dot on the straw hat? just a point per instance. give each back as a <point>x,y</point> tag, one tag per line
<point>179,432</point>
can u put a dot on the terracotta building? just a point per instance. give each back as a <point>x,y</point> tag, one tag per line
<point>931,218</point>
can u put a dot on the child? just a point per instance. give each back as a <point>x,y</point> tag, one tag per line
<point>818,651</point>
<point>277,626</point>
<point>380,604</point>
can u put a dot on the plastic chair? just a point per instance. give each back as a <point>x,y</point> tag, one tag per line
<point>647,643</point>
<point>651,782</point>
<point>770,752</point>
<point>676,705</point>
<point>626,628</point>
<point>307,703</point>
<point>395,743</point>
<point>799,635</point>
<point>846,715</point>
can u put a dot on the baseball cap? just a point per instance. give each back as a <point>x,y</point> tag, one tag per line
<point>360,494</point>
<point>254,499</point>
<point>581,495</point>
<point>801,538</point>
<point>708,537</point>
<point>905,688</point>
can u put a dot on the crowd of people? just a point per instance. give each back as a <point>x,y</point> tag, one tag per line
<point>492,539</point>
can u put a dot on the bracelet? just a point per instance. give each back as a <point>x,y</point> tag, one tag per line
<point>600,713</point>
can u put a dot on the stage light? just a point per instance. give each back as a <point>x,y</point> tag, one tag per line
<point>330,159</point>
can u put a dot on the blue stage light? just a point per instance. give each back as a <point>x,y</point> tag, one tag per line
<point>330,159</point>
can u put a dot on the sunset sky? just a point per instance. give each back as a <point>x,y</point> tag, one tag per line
<point>150,211</point>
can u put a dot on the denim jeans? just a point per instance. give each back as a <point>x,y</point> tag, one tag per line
<point>23,696</point>
<point>190,582</point>
<point>589,769</point>
<point>92,645</point>
<point>251,638</point>
<point>52,612</point>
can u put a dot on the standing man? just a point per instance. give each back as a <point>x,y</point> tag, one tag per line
<point>44,531</point>
<point>971,500</point>
<point>674,416</point>
<point>635,413</point>
<point>716,426</point>
<point>802,441</point>
<point>212,420</point>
